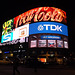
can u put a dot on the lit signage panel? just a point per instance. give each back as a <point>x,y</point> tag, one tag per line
<point>20,32</point>
<point>36,21</point>
<point>50,37</point>
<point>52,43</point>
<point>7,37</point>
<point>65,44</point>
<point>59,43</point>
<point>7,27</point>
<point>48,27</point>
<point>33,43</point>
<point>42,43</point>
<point>40,14</point>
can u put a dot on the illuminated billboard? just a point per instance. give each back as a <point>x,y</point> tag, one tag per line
<point>52,43</point>
<point>48,27</point>
<point>59,43</point>
<point>7,31</point>
<point>33,43</point>
<point>20,32</point>
<point>42,43</point>
<point>40,14</point>
<point>65,44</point>
<point>47,24</point>
<point>7,37</point>
<point>7,27</point>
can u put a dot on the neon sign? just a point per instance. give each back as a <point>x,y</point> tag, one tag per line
<point>52,27</point>
<point>40,14</point>
<point>48,27</point>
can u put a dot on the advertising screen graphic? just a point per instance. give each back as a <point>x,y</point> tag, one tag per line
<point>59,43</point>
<point>42,43</point>
<point>7,27</point>
<point>7,37</point>
<point>65,44</point>
<point>50,37</point>
<point>48,27</point>
<point>40,14</point>
<point>52,43</point>
<point>33,43</point>
<point>20,32</point>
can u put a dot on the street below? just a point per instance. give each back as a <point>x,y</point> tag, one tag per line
<point>57,70</point>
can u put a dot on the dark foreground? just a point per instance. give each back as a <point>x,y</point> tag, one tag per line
<point>50,70</point>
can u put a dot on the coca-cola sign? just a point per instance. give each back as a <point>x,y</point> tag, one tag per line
<point>40,14</point>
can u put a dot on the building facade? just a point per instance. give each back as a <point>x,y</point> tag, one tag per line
<point>40,32</point>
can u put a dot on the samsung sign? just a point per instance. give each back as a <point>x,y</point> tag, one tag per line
<point>7,37</point>
<point>48,27</point>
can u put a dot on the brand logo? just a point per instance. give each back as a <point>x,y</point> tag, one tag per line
<point>7,38</point>
<point>50,27</point>
<point>40,14</point>
<point>23,32</point>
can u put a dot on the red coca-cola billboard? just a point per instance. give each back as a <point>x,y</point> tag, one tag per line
<point>40,14</point>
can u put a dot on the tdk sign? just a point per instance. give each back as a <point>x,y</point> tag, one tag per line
<point>48,27</point>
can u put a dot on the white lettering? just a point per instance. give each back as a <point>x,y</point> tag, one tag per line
<point>47,26</point>
<point>52,27</point>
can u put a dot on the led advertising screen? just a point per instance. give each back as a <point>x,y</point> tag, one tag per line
<point>7,27</point>
<point>65,44</point>
<point>20,32</point>
<point>7,37</point>
<point>50,37</point>
<point>59,43</point>
<point>52,43</point>
<point>7,34</point>
<point>48,27</point>
<point>48,22</point>
<point>42,43</point>
<point>33,43</point>
<point>40,14</point>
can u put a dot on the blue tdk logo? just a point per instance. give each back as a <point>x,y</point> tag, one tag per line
<point>7,37</point>
<point>50,27</point>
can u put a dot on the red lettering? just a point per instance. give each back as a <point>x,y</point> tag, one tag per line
<point>41,14</point>
<point>36,15</point>
<point>47,16</point>
<point>53,15</point>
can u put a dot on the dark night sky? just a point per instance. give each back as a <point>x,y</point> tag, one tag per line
<point>12,8</point>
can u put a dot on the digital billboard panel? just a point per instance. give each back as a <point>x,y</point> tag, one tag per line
<point>7,34</point>
<point>40,14</point>
<point>50,37</point>
<point>33,43</point>
<point>20,32</point>
<point>48,27</point>
<point>65,44</point>
<point>7,37</point>
<point>52,43</point>
<point>41,20</point>
<point>7,27</point>
<point>42,43</point>
<point>59,43</point>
